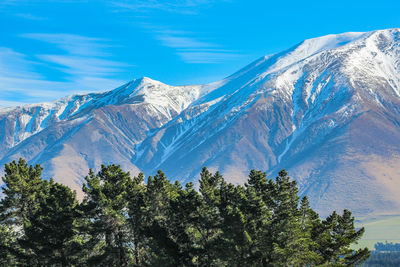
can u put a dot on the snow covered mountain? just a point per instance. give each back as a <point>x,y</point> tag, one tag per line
<point>327,110</point>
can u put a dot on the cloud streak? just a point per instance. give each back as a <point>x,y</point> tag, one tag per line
<point>192,50</point>
<point>72,43</point>
<point>206,57</point>
<point>30,16</point>
<point>15,64</point>
<point>174,6</point>
<point>181,42</point>
<point>81,65</point>
<point>84,61</point>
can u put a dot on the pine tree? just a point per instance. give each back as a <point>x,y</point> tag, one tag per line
<point>210,220</point>
<point>125,222</point>
<point>334,236</point>
<point>236,241</point>
<point>21,188</point>
<point>105,204</point>
<point>22,185</point>
<point>50,232</point>
<point>304,246</point>
<point>163,248</point>
<point>284,227</point>
<point>137,216</point>
<point>258,217</point>
<point>8,246</point>
<point>184,226</point>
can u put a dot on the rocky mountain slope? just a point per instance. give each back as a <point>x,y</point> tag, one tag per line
<point>327,110</point>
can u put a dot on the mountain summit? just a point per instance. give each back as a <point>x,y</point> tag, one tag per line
<point>327,110</point>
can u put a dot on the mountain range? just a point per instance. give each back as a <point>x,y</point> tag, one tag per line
<point>327,110</point>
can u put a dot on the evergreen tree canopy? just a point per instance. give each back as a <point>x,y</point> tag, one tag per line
<point>123,221</point>
<point>105,207</point>
<point>50,232</point>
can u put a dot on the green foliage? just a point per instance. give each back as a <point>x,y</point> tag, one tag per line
<point>20,192</point>
<point>50,232</point>
<point>8,242</point>
<point>124,221</point>
<point>334,236</point>
<point>105,208</point>
<point>37,219</point>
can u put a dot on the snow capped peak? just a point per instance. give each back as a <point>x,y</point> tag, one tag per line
<point>309,48</point>
<point>356,49</point>
<point>313,46</point>
<point>331,41</point>
<point>144,86</point>
<point>306,104</point>
<point>147,80</point>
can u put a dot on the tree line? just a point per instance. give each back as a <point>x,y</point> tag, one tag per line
<point>383,259</point>
<point>387,246</point>
<point>385,254</point>
<point>125,221</point>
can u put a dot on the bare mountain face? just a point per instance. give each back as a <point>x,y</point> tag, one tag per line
<point>327,110</point>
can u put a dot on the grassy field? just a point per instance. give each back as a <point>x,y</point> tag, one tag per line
<point>379,229</point>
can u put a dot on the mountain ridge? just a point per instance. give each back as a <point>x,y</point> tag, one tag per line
<point>318,110</point>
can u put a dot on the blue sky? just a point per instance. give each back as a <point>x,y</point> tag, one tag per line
<point>53,48</point>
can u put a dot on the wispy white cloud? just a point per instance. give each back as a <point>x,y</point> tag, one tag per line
<point>84,56</point>
<point>80,65</point>
<point>6,103</point>
<point>175,6</point>
<point>30,16</point>
<point>19,90</point>
<point>84,61</point>
<point>182,42</point>
<point>72,43</point>
<point>34,90</point>
<point>206,57</point>
<point>193,50</point>
<point>14,64</point>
